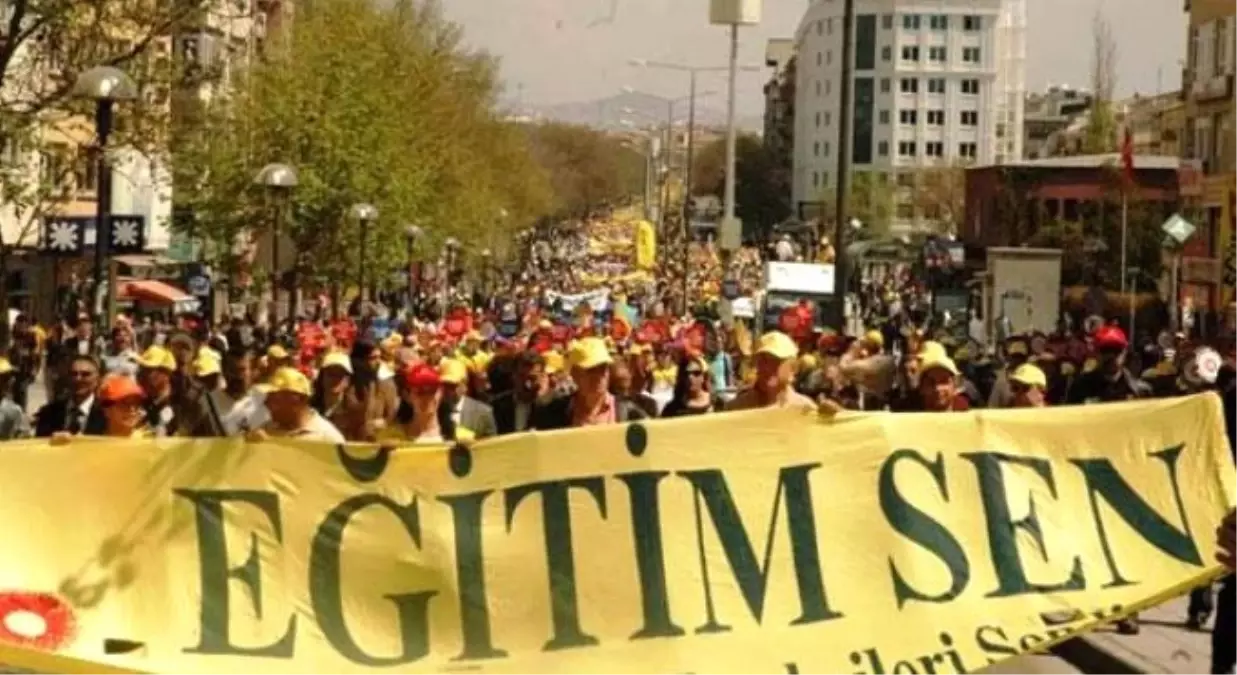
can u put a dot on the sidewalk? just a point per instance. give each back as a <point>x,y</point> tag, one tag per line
<point>1164,645</point>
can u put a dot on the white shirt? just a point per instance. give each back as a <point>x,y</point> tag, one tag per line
<point>247,413</point>
<point>320,428</point>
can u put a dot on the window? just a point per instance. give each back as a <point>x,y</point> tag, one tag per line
<point>906,148</point>
<point>829,26</point>
<point>824,179</point>
<point>86,173</point>
<point>816,148</point>
<point>828,118</point>
<point>937,54</point>
<point>884,117</point>
<point>906,210</point>
<point>971,23</point>
<point>885,85</point>
<point>818,87</point>
<point>934,149</point>
<point>815,179</point>
<point>817,119</point>
<point>886,53</point>
<point>820,30</point>
<point>910,21</point>
<point>1220,49</point>
<point>938,22</point>
<point>936,118</point>
<point>908,116</point>
<point>819,58</point>
<point>828,87</point>
<point>969,118</point>
<point>906,180</point>
<point>936,85</point>
<point>970,54</point>
<point>910,53</point>
<point>909,85</point>
<point>967,150</point>
<point>970,87</point>
<point>827,149</point>
<point>887,22</point>
<point>882,148</point>
<point>829,57</point>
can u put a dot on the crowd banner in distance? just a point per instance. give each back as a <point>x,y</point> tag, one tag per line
<point>767,541</point>
<point>646,245</point>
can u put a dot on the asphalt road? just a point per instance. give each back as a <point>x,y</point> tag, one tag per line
<point>1037,663</point>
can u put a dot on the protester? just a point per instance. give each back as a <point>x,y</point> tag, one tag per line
<point>775,374</point>
<point>692,395</point>
<point>470,416</point>
<point>77,411</point>
<point>592,403</point>
<point>13,422</point>
<point>287,401</point>
<point>424,416</point>
<point>1028,386</point>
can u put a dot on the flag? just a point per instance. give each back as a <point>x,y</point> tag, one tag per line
<point>646,245</point>
<point>1127,155</point>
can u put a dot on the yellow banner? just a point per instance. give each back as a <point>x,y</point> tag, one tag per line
<point>748,542</point>
<point>646,245</point>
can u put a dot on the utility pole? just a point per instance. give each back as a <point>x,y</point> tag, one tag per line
<point>842,200</point>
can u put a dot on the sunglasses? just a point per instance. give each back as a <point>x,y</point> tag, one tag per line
<point>695,373</point>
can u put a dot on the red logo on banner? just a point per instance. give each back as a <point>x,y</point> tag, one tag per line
<point>39,620</point>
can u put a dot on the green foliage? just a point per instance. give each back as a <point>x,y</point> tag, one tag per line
<point>762,181</point>
<point>940,197</point>
<point>871,200</point>
<point>586,167</point>
<point>371,103</point>
<point>1100,135</point>
<point>1091,246</point>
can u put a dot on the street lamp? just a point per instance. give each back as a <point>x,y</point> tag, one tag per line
<point>412,233</point>
<point>364,213</point>
<point>106,85</point>
<point>486,255</point>
<point>449,249</point>
<point>278,179</point>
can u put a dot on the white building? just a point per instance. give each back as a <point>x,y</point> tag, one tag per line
<point>935,83</point>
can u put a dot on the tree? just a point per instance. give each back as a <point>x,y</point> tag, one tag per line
<point>1100,135</point>
<point>940,197</point>
<point>762,181</point>
<point>46,44</point>
<point>586,168</point>
<point>425,147</point>
<point>871,202</point>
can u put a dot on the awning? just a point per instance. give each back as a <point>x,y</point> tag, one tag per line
<point>157,292</point>
<point>145,260</point>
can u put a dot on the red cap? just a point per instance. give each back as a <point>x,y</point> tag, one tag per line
<point>1110,337</point>
<point>421,375</point>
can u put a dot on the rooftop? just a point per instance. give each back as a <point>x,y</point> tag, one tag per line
<point>1097,161</point>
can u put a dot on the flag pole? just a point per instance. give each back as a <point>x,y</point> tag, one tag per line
<point>1125,230</point>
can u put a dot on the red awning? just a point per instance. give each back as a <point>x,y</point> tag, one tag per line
<point>149,290</point>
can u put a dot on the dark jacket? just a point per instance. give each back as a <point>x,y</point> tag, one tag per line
<point>53,417</point>
<point>556,413</point>
<point>1095,387</point>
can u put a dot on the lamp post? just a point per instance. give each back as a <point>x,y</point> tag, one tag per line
<point>106,85</point>
<point>486,255</point>
<point>450,247</point>
<point>364,213</point>
<point>412,234</point>
<point>278,179</point>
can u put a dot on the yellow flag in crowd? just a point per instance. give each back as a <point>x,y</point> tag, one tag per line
<point>747,542</point>
<point>646,245</point>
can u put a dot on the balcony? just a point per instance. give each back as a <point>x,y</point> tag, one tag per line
<point>1212,88</point>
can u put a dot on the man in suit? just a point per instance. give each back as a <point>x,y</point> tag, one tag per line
<point>517,383</point>
<point>469,413</point>
<point>78,412</point>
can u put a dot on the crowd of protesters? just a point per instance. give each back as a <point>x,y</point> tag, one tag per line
<point>574,338</point>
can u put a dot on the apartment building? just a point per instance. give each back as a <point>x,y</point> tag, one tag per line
<point>936,83</point>
<point>1208,274</point>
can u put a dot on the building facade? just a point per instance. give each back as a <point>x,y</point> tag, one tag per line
<point>1207,91</point>
<point>936,83</point>
<point>1049,117</point>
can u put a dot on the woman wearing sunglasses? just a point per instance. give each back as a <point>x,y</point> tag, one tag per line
<point>691,390</point>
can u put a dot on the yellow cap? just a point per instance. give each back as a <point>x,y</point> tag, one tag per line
<point>777,344</point>
<point>452,371</point>
<point>393,341</point>
<point>553,362</point>
<point>1090,364</point>
<point>874,337</point>
<point>1030,375</point>
<point>930,350</point>
<point>207,363</point>
<point>336,359</point>
<point>808,362</point>
<point>277,352</point>
<point>5,366</point>
<point>290,380</point>
<point>589,352</point>
<point>157,358</point>
<point>934,360</point>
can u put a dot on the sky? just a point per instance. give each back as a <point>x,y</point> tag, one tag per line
<point>558,51</point>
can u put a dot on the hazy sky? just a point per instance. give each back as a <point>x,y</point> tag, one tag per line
<point>577,50</point>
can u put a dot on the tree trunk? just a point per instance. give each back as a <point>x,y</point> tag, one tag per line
<point>4,298</point>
